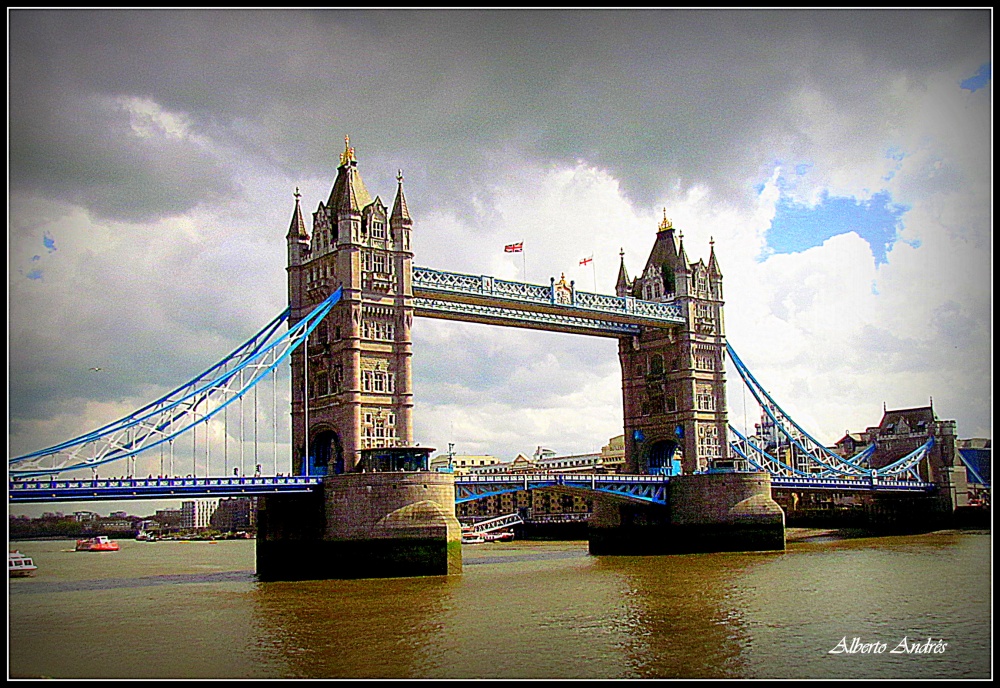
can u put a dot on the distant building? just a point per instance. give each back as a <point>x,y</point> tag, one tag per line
<point>85,516</point>
<point>461,464</point>
<point>234,514</point>
<point>148,525</point>
<point>197,513</point>
<point>168,518</point>
<point>536,504</point>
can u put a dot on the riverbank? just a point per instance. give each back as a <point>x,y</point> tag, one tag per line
<point>829,534</point>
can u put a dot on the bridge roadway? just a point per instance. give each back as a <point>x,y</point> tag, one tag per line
<point>645,488</point>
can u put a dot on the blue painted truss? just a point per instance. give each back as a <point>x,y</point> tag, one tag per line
<point>31,491</point>
<point>496,315</point>
<point>803,456</point>
<point>191,404</point>
<point>643,488</point>
<point>494,301</point>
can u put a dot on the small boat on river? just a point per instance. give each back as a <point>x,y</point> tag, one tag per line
<point>19,565</point>
<point>501,536</point>
<point>471,538</point>
<point>97,544</point>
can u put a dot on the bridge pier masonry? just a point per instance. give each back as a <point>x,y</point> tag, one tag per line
<point>707,512</point>
<point>362,525</point>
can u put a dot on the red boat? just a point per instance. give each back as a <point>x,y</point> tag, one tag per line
<point>97,544</point>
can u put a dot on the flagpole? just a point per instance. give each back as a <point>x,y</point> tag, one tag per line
<point>594,266</point>
<point>524,264</point>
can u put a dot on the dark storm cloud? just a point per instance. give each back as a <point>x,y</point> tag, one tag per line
<point>652,96</point>
<point>84,151</point>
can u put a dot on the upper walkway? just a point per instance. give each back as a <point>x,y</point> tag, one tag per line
<point>485,299</point>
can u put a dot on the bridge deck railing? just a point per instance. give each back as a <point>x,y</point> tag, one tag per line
<point>492,289</point>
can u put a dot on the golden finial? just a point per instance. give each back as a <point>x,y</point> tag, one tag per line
<point>297,194</point>
<point>666,224</point>
<point>348,154</point>
<point>399,176</point>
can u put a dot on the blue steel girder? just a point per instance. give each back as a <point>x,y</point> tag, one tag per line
<point>513,317</point>
<point>441,287</point>
<point>179,412</point>
<point>62,490</point>
<point>859,484</point>
<point>643,488</point>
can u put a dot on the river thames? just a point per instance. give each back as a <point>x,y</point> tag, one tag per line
<point>524,609</point>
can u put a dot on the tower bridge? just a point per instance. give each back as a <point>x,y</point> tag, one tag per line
<point>360,500</point>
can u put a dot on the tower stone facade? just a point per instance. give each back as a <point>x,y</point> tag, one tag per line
<point>352,385</point>
<point>673,379</point>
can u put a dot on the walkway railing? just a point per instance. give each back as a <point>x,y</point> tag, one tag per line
<point>21,491</point>
<point>644,488</point>
<point>450,294</point>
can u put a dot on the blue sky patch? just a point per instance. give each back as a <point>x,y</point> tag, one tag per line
<point>49,242</point>
<point>35,275</point>
<point>979,79</point>
<point>799,226</point>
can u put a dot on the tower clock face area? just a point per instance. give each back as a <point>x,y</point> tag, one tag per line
<point>353,389</point>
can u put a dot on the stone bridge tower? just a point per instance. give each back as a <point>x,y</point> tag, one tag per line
<point>673,380</point>
<point>355,390</point>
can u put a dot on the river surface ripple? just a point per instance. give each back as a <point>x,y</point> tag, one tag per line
<point>519,610</point>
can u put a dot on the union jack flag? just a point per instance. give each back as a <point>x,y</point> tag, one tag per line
<point>514,248</point>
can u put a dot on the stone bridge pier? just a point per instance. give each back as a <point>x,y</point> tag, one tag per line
<point>706,512</point>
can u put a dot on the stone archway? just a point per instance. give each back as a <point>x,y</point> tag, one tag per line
<point>326,454</point>
<point>660,456</point>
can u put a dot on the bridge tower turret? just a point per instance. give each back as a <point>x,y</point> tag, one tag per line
<point>359,383</point>
<point>673,380</point>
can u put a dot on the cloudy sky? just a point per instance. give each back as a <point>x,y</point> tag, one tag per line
<point>841,160</point>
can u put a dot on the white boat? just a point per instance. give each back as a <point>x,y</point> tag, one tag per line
<point>19,565</point>
<point>501,536</point>
<point>471,538</point>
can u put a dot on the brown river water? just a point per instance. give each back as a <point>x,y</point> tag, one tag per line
<point>519,610</point>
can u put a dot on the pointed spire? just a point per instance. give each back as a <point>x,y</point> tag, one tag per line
<point>622,284</point>
<point>297,228</point>
<point>348,155</point>
<point>666,224</point>
<point>349,193</point>
<point>713,263</point>
<point>400,213</point>
<point>682,254</point>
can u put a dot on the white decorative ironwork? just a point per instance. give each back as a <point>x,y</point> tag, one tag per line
<point>494,314</point>
<point>611,308</point>
<point>186,407</point>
